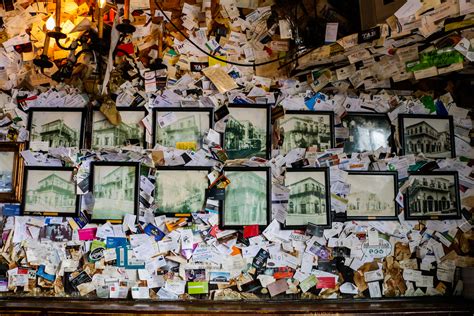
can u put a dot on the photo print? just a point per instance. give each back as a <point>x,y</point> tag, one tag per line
<point>433,196</point>
<point>372,195</point>
<point>428,134</point>
<point>60,128</point>
<point>247,132</point>
<point>367,132</point>
<point>130,131</point>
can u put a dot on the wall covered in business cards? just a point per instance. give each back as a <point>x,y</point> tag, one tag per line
<point>174,150</point>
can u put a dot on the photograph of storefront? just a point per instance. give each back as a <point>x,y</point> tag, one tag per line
<point>187,132</point>
<point>58,128</point>
<point>304,130</point>
<point>308,200</point>
<point>246,133</point>
<point>115,190</point>
<point>6,170</point>
<point>129,132</point>
<point>367,132</point>
<point>432,137</point>
<point>50,191</point>
<point>246,198</point>
<point>432,195</point>
<point>180,191</point>
<point>371,195</point>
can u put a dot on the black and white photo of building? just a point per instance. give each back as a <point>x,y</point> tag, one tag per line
<point>432,195</point>
<point>6,171</point>
<point>106,135</point>
<point>432,137</point>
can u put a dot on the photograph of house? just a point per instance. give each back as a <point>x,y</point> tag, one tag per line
<point>428,136</point>
<point>246,133</point>
<point>59,129</point>
<point>114,191</point>
<point>189,128</point>
<point>307,201</point>
<point>7,161</point>
<point>303,131</point>
<point>129,132</point>
<point>371,195</point>
<point>48,191</point>
<point>246,198</point>
<point>180,191</point>
<point>432,195</point>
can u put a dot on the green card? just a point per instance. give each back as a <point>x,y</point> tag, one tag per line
<point>198,287</point>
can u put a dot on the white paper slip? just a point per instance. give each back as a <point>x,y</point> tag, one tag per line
<point>167,119</point>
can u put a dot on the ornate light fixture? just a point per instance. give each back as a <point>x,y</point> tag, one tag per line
<point>43,61</point>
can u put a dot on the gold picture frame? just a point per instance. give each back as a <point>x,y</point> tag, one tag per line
<point>11,182</point>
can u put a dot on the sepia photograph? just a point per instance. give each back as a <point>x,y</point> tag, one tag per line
<point>60,128</point>
<point>247,132</point>
<point>372,195</point>
<point>309,197</point>
<point>428,134</point>
<point>115,189</point>
<point>130,131</point>
<point>303,129</point>
<point>433,195</point>
<point>187,128</point>
<point>180,190</point>
<point>247,197</point>
<point>50,190</point>
<point>367,132</point>
<point>11,172</point>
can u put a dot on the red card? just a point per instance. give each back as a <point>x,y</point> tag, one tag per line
<point>127,48</point>
<point>326,283</point>
<point>251,231</point>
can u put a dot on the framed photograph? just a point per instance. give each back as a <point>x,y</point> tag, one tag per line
<point>247,132</point>
<point>130,132</point>
<point>50,191</point>
<point>433,195</point>
<point>180,191</point>
<point>186,130</point>
<point>115,186</point>
<point>303,129</point>
<point>58,126</point>
<point>309,200</point>
<point>11,172</point>
<point>372,195</point>
<point>247,197</point>
<point>428,134</point>
<point>367,132</point>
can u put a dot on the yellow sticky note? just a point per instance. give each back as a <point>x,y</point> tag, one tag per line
<point>213,61</point>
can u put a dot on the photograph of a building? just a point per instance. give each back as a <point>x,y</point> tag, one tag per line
<point>187,131</point>
<point>432,195</point>
<point>308,200</point>
<point>51,191</point>
<point>129,132</point>
<point>246,198</point>
<point>367,132</point>
<point>371,195</point>
<point>7,161</point>
<point>305,130</point>
<point>180,191</point>
<point>115,191</point>
<point>246,133</point>
<point>432,137</point>
<point>58,128</point>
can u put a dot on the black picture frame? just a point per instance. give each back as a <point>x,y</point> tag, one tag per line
<point>435,203</point>
<point>16,178</point>
<point>268,140</point>
<point>82,111</point>
<point>181,182</point>
<point>57,186</point>
<point>136,185</point>
<point>308,113</point>
<point>241,206</point>
<point>436,134</point>
<point>155,112</point>
<point>125,110</point>
<point>376,194</point>
<point>367,116</point>
<point>327,194</point>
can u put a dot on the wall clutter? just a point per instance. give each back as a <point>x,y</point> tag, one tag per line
<point>199,149</point>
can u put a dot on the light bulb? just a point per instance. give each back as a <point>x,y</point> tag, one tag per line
<point>102,3</point>
<point>50,23</point>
